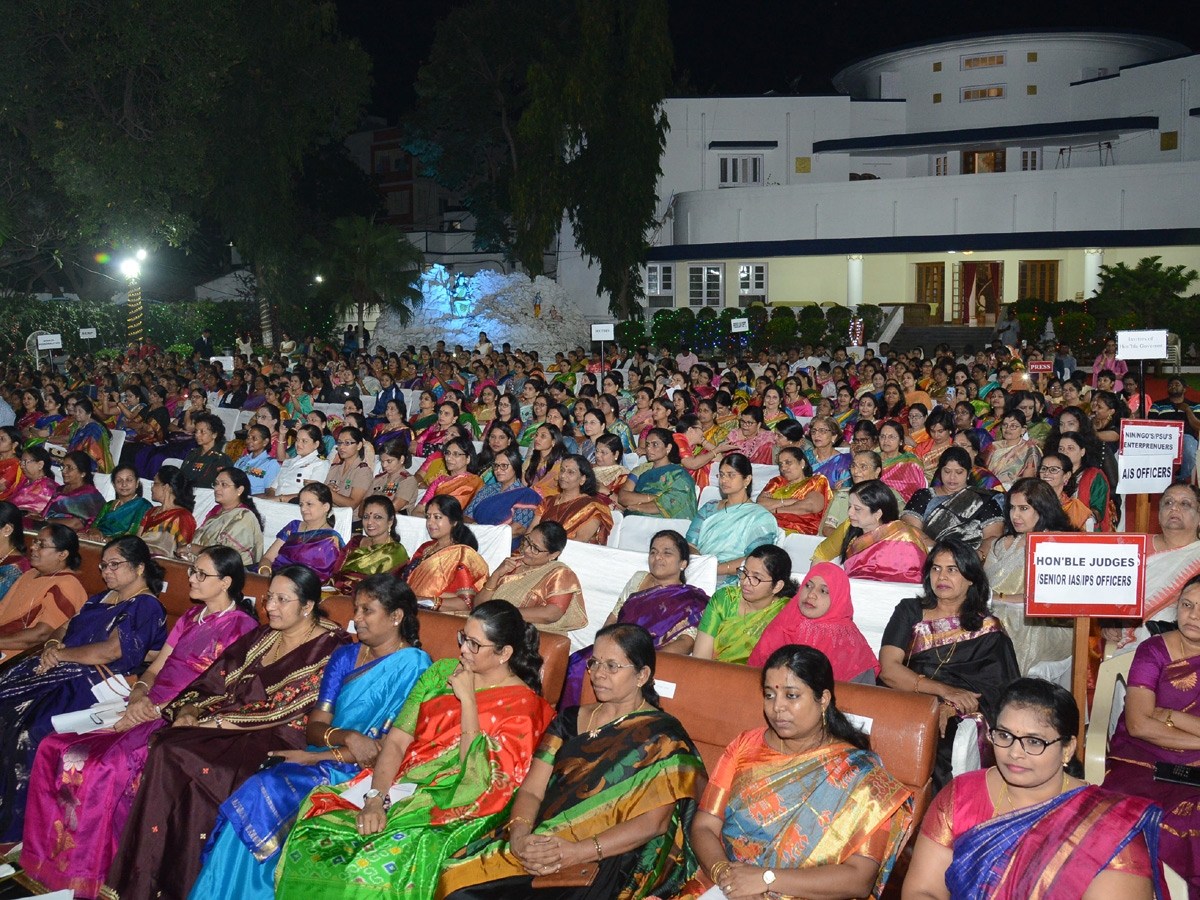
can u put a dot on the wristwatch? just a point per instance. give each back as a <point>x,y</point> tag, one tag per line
<point>372,793</point>
<point>768,877</point>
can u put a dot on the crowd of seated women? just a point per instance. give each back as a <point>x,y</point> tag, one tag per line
<point>336,774</point>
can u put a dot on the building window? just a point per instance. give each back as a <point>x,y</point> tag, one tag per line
<point>1031,56</point>
<point>982,92</point>
<point>937,98</point>
<point>741,171</point>
<point>660,285</point>
<point>931,283</point>
<point>1038,279</point>
<point>937,67</point>
<point>705,284</point>
<point>979,162</point>
<point>941,165</point>
<point>399,203</point>
<point>752,283</point>
<point>981,62</point>
<point>1031,90</point>
<point>1031,160</point>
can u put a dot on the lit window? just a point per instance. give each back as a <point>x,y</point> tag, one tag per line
<point>983,92</point>
<point>982,62</point>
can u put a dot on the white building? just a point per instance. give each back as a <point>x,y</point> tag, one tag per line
<point>958,174</point>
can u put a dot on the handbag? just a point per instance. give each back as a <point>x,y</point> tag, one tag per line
<point>112,688</point>
<point>582,875</point>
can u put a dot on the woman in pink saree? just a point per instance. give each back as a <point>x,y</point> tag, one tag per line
<point>81,786</point>
<point>874,543</point>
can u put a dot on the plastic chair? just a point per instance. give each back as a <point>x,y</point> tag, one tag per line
<point>637,531</point>
<point>1112,672</point>
<point>116,443</point>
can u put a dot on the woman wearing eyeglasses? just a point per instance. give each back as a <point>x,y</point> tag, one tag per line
<point>254,698</point>
<point>738,614</point>
<point>78,781</point>
<point>45,596</point>
<point>613,783</point>
<point>465,738</point>
<point>447,566</point>
<point>543,588</point>
<point>577,507</point>
<point>349,477</point>
<point>110,634</point>
<point>234,522</point>
<point>1012,455</point>
<point>1027,827</point>
<point>461,481</point>
<point>505,500</point>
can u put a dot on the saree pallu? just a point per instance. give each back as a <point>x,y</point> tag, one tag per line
<point>430,440</point>
<point>28,700</point>
<point>462,488</point>
<point>319,549</point>
<point>773,419</point>
<point>1131,760</point>
<point>357,562</point>
<point>35,598</point>
<point>792,523</point>
<point>191,770</point>
<point>12,475</point>
<point>420,423</point>
<point>236,528</point>
<point>573,515</point>
<point>1008,462</point>
<point>83,503</point>
<point>930,453</point>
<point>386,432</point>
<point>455,570</point>
<point>82,786</point>
<point>963,514</point>
<point>496,505</point>
<point>836,469</point>
<point>545,482</point>
<point>673,489</point>
<point>814,809</point>
<point>166,530</point>
<point>905,474</point>
<point>12,567</point>
<point>759,449</point>
<point>455,801</point>
<point>641,420</point>
<point>700,476</point>
<point>986,479</point>
<point>32,497</point>
<point>1166,574</point>
<point>892,552</point>
<point>525,438</point>
<point>1093,489</point>
<point>735,633</point>
<point>611,477</point>
<point>634,766</point>
<point>666,612</point>
<point>92,439</point>
<point>1053,849</point>
<point>243,849</point>
<point>117,521</point>
<point>732,532</point>
<point>552,584</point>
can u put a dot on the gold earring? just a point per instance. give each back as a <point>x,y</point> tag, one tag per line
<point>823,728</point>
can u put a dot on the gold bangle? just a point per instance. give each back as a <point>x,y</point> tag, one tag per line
<point>917,686</point>
<point>337,754</point>
<point>328,731</point>
<point>599,851</point>
<point>142,683</point>
<point>516,819</point>
<point>55,641</point>
<point>718,868</point>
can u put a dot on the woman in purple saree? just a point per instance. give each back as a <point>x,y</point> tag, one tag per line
<point>311,541</point>
<point>82,786</point>
<point>657,600</point>
<point>110,634</point>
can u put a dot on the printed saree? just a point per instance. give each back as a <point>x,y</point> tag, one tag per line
<point>633,766</point>
<point>1131,760</point>
<point>1009,462</point>
<point>455,570</point>
<point>243,849</point>
<point>166,530</point>
<point>237,528</point>
<point>83,503</point>
<point>497,505</point>
<point>667,613</point>
<point>357,562</point>
<point>573,515</point>
<point>673,489</point>
<point>12,567</point>
<point>793,523</point>
<point>82,786</point>
<point>759,449</point>
<point>320,549</point>
<point>29,698</point>
<point>734,632</point>
<point>92,439</point>
<point>816,809</point>
<point>190,771</point>
<point>1053,849</point>
<point>552,584</point>
<point>963,514</point>
<point>116,521</point>
<point>836,469</point>
<point>455,802</point>
<point>12,475</point>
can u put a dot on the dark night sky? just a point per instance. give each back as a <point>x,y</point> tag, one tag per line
<point>755,46</point>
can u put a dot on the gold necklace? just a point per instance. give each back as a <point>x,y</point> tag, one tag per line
<point>593,732</point>
<point>1004,794</point>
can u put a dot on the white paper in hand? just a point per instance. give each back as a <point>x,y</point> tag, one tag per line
<point>356,795</point>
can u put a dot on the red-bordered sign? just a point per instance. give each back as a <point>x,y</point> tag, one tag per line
<point>1086,575</point>
<point>1040,367</point>
<point>1172,436</point>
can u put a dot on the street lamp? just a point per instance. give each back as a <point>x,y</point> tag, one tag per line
<point>131,268</point>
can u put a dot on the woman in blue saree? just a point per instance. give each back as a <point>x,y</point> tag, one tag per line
<point>364,686</point>
<point>505,501</point>
<point>731,527</point>
<point>310,541</point>
<point>663,487</point>
<point>89,436</point>
<point>114,629</point>
<point>78,502</point>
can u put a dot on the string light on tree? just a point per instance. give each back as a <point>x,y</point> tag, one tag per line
<point>131,268</point>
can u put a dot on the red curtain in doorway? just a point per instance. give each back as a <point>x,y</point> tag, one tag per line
<point>980,291</point>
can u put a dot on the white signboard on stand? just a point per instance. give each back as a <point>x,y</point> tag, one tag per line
<point>1142,344</point>
<point>1146,473</point>
<point>739,326</point>
<point>604,332</point>
<point>87,333</point>
<point>49,341</point>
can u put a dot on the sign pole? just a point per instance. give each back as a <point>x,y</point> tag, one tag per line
<point>1079,674</point>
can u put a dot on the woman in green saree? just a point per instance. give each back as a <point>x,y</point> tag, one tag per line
<point>738,614</point>
<point>663,487</point>
<point>122,515</point>
<point>376,551</point>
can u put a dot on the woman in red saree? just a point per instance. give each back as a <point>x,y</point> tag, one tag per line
<point>1027,830</point>
<point>448,564</point>
<point>577,507</point>
<point>10,460</point>
<point>795,496</point>
<point>464,738</point>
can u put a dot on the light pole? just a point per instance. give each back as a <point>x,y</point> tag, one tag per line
<point>131,268</point>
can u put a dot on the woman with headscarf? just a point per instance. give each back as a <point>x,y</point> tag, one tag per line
<point>821,615</point>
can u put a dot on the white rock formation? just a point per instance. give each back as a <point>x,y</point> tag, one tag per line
<point>457,307</point>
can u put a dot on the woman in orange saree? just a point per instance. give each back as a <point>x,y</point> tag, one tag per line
<point>448,564</point>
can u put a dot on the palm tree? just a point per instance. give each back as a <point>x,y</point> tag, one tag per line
<point>365,264</point>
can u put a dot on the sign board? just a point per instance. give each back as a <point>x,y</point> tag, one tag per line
<point>603,332</point>
<point>739,326</point>
<point>87,333</point>
<point>1142,344</point>
<point>1085,575</point>
<point>49,341</point>
<point>1144,474</point>
<point>1152,437</point>
<point>225,361</point>
<point>1040,367</point>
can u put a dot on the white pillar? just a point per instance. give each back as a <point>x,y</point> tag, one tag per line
<point>1092,261</point>
<point>854,281</point>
